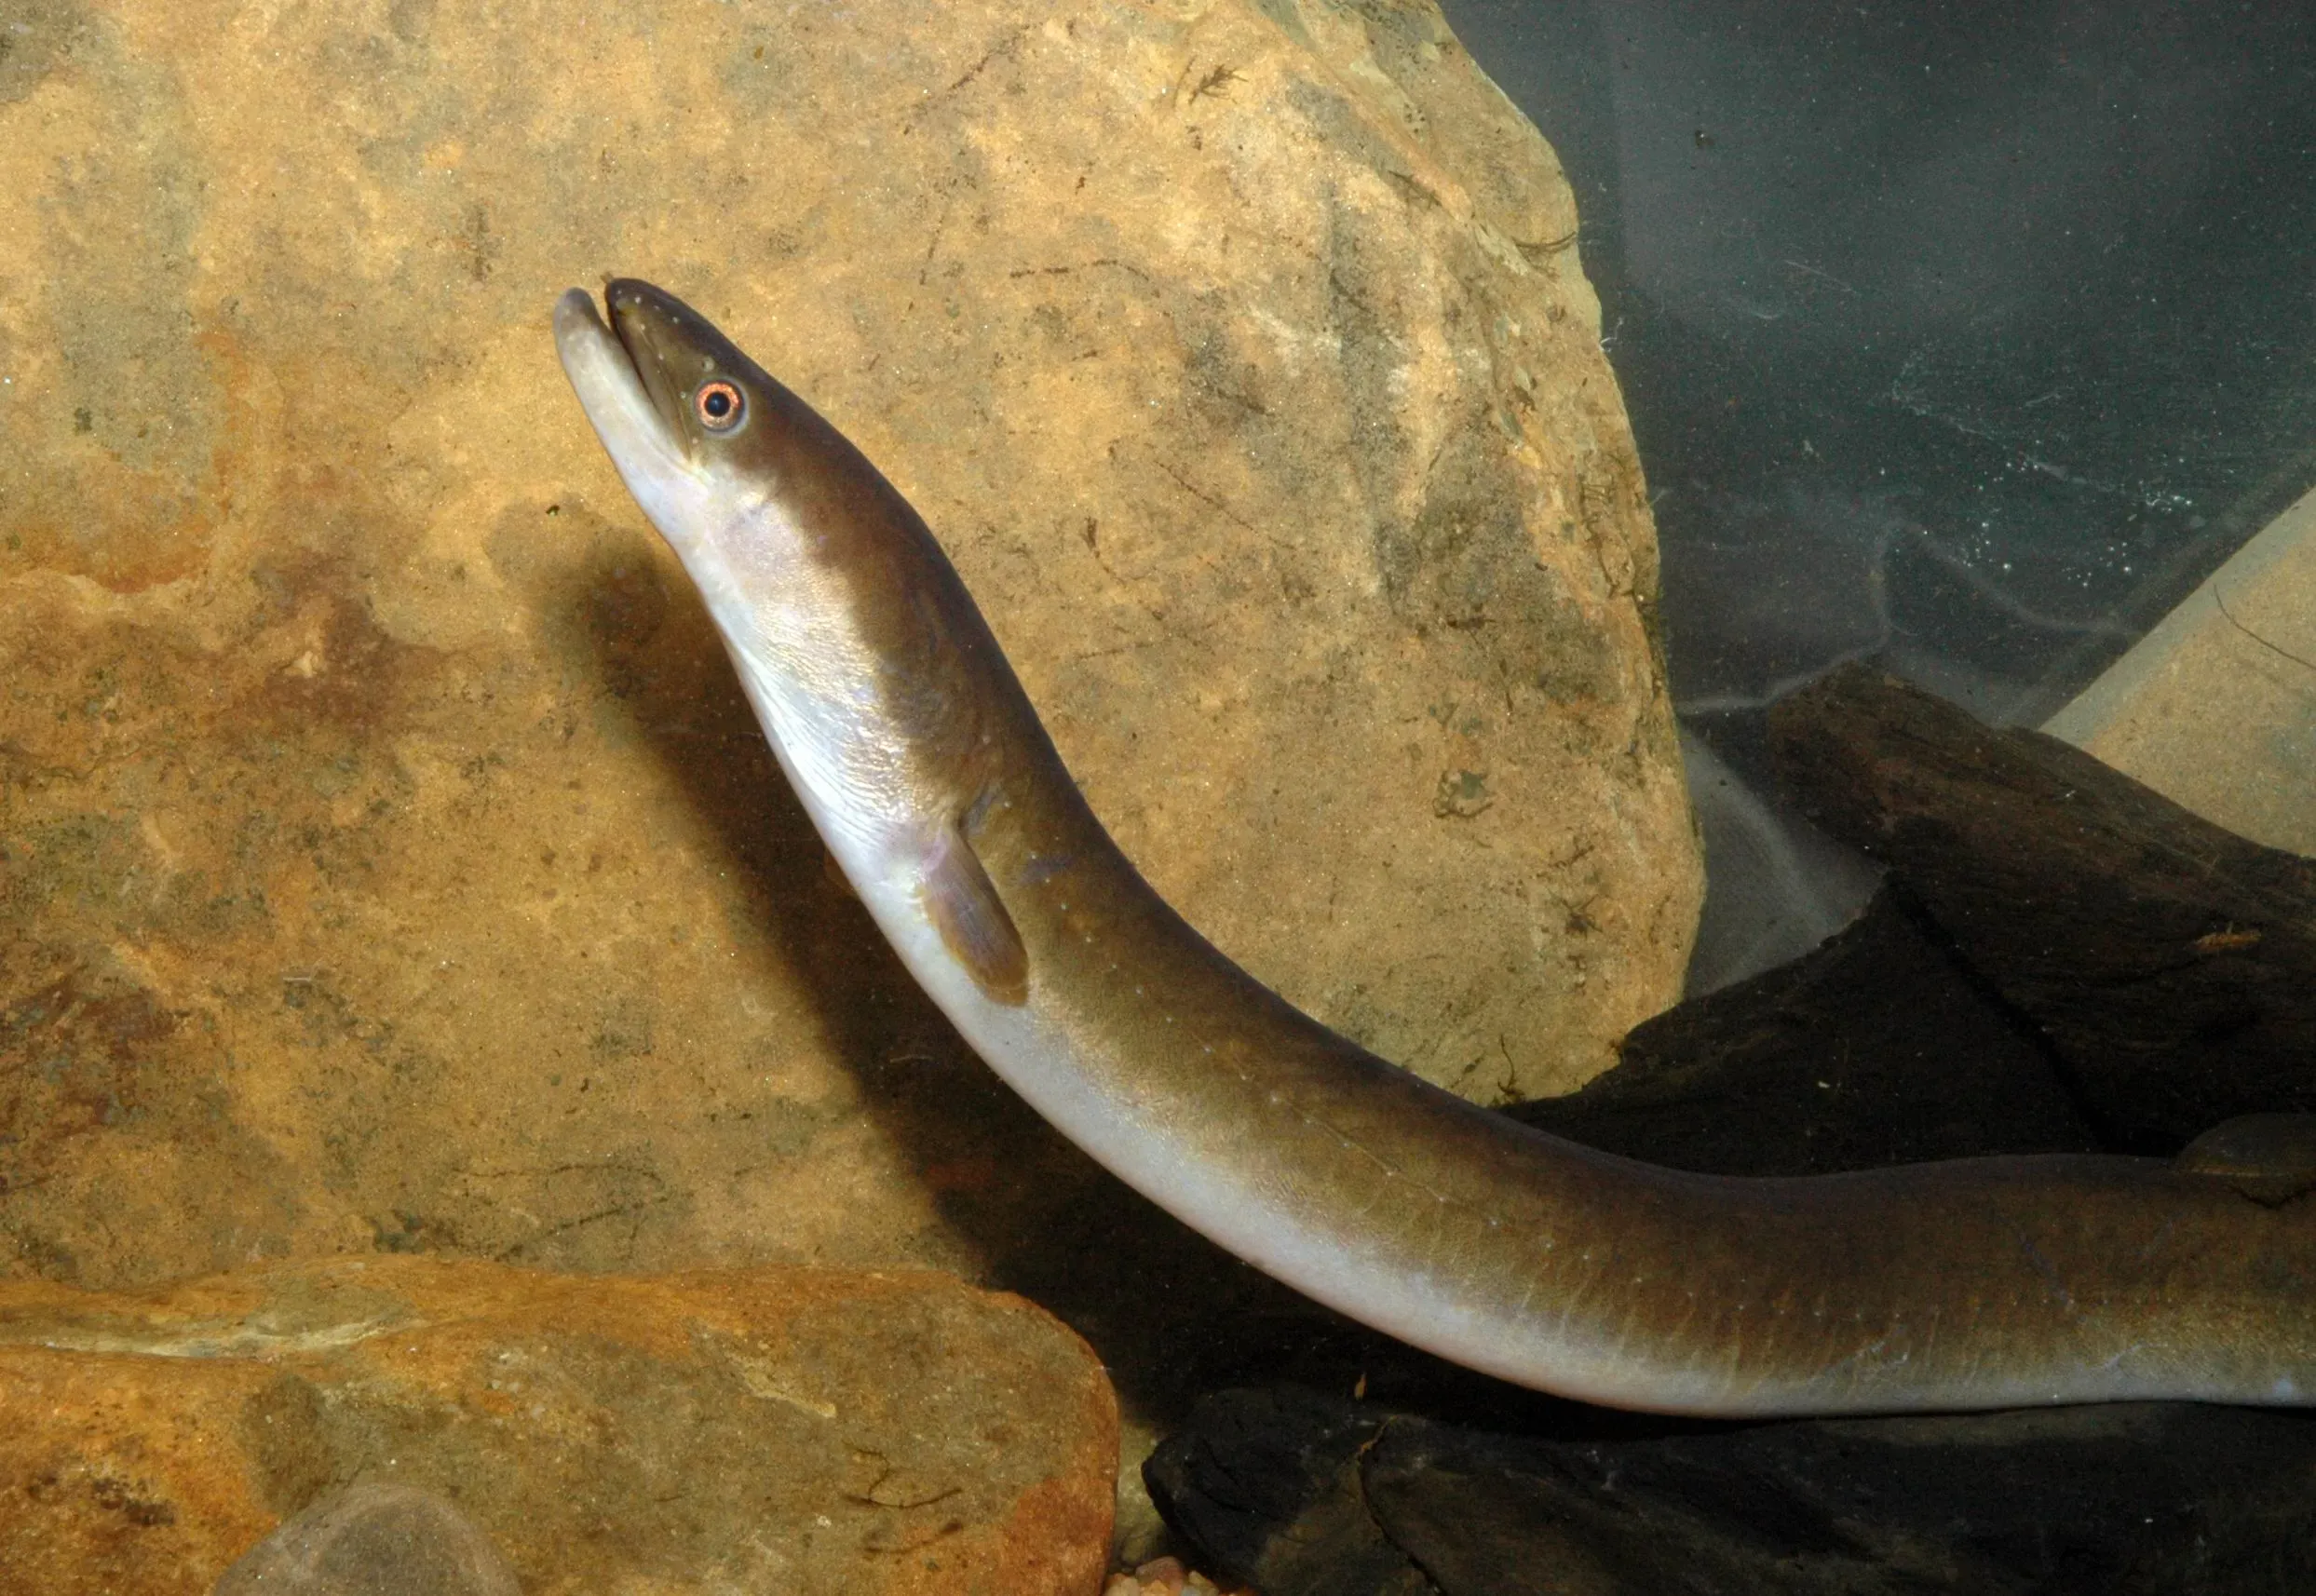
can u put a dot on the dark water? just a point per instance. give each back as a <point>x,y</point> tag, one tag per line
<point>1963,338</point>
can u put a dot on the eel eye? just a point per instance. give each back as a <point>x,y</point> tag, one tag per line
<point>719,405</point>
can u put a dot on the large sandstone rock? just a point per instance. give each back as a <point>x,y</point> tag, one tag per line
<point>390,860</point>
<point>800,1431</point>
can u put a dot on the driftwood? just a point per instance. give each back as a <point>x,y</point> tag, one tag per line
<point>2169,963</point>
<point>2061,960</point>
<point>1305,1495</point>
<point>1880,1047</point>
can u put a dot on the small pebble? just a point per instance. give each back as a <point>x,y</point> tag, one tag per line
<point>1165,1576</point>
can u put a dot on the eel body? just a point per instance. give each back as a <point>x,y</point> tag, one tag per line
<point>1975,1283</point>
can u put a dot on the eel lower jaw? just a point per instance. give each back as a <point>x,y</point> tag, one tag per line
<point>627,417</point>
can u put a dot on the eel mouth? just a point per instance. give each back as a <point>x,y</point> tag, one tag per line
<point>621,381</point>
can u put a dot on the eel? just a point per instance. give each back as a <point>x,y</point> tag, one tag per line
<point>1973,1283</point>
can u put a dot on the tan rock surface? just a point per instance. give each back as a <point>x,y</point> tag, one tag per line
<point>388,861</point>
<point>2215,708</point>
<point>800,1431</point>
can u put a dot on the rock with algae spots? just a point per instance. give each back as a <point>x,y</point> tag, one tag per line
<point>812,1432</point>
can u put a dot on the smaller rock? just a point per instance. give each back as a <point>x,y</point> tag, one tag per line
<point>1165,1576</point>
<point>819,1432</point>
<point>373,1540</point>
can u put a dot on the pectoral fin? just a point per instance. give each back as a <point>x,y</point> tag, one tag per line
<point>962,902</point>
<point>2269,1157</point>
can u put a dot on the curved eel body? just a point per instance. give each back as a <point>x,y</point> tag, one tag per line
<point>1977,1283</point>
